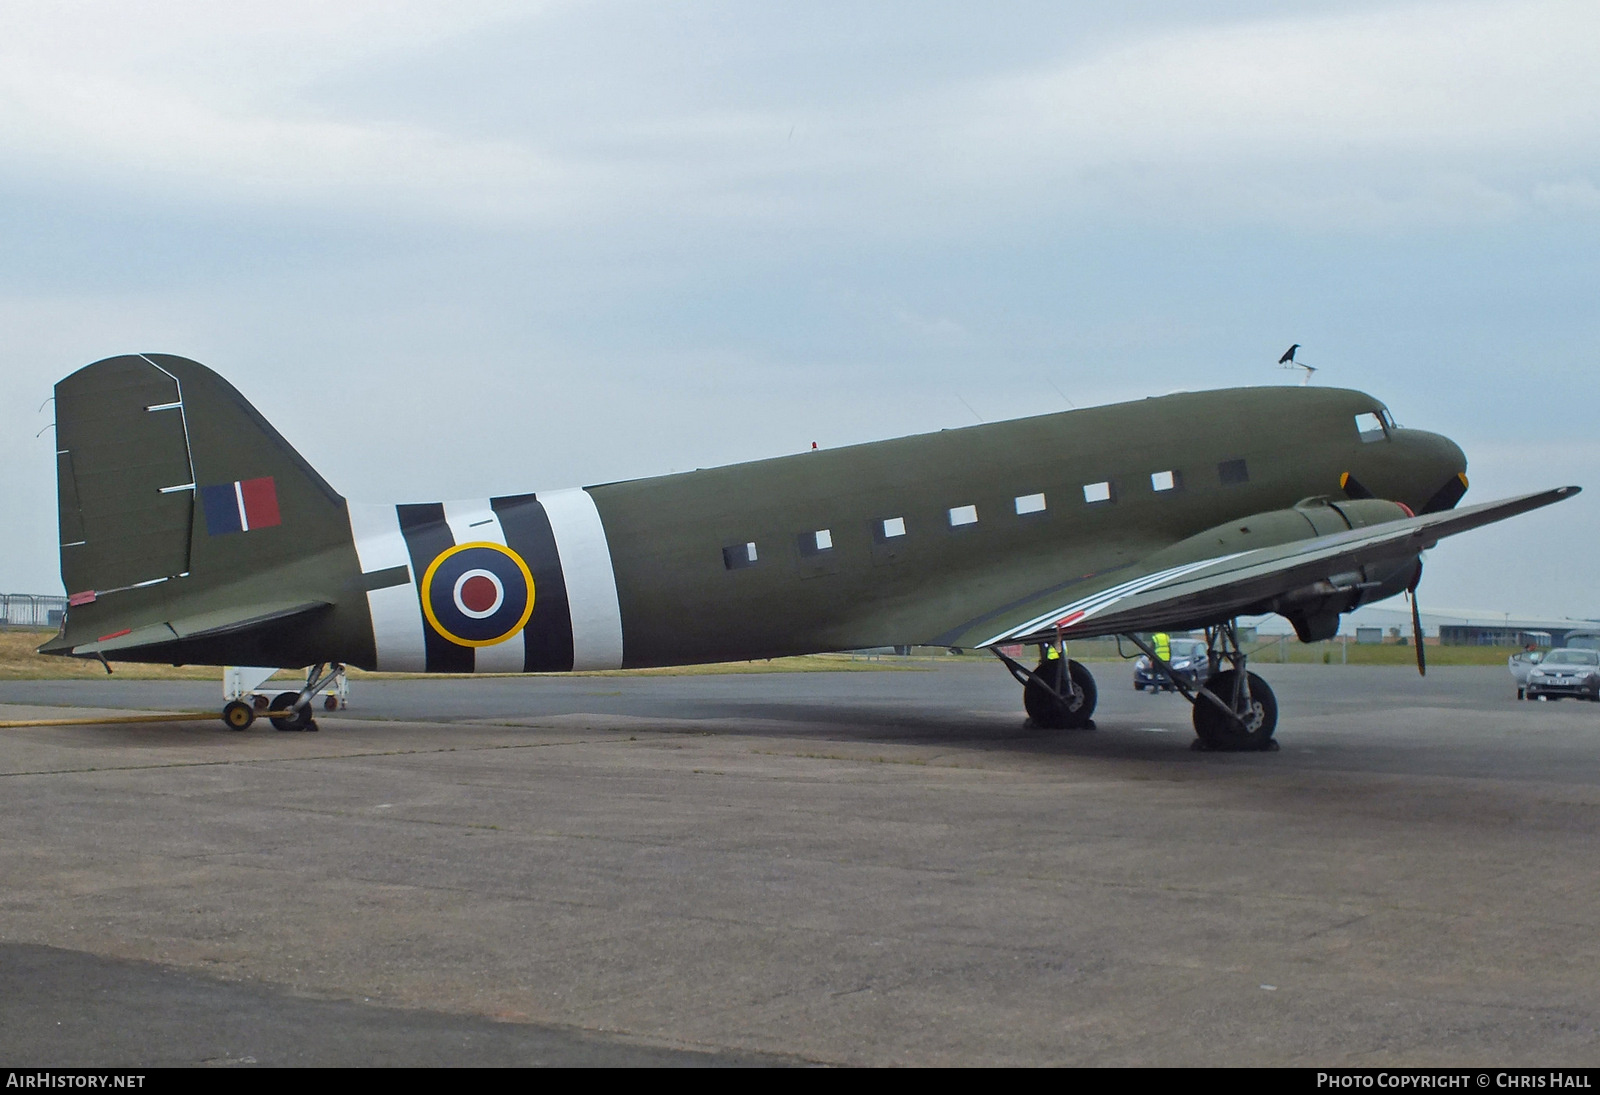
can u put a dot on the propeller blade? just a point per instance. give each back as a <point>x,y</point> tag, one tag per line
<point>1448,495</point>
<point>1416,621</point>
<point>1352,487</point>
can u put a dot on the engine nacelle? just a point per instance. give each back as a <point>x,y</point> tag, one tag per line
<point>1314,610</point>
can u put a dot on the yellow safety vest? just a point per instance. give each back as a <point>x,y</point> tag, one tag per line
<point>1163,646</point>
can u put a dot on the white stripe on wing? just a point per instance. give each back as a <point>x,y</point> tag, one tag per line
<point>1092,605</point>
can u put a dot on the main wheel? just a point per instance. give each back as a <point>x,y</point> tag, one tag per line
<point>1051,713</point>
<point>1259,716</point>
<point>301,718</point>
<point>238,716</point>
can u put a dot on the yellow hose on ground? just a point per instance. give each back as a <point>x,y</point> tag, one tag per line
<point>183,716</point>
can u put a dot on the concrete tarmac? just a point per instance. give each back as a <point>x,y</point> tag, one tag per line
<point>873,868</point>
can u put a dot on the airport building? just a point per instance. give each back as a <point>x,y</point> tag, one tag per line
<point>1391,621</point>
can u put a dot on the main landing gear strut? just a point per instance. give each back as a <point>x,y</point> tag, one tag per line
<point>1234,710</point>
<point>1059,694</point>
<point>289,710</point>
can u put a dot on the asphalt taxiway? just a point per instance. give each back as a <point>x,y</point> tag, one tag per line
<point>802,867</point>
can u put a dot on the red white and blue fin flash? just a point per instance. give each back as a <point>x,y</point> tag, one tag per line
<point>240,506</point>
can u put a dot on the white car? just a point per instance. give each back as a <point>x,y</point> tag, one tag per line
<point>1521,664</point>
<point>1565,672</point>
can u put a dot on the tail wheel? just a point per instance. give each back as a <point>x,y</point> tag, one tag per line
<point>300,719</point>
<point>238,716</point>
<point>1050,712</point>
<point>1256,724</point>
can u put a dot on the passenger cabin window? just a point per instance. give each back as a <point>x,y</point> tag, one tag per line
<point>814,543</point>
<point>1097,492</point>
<point>739,556</point>
<point>1371,427</point>
<point>890,527</point>
<point>1030,503</point>
<point>1164,480</point>
<point>1232,472</point>
<point>963,515</point>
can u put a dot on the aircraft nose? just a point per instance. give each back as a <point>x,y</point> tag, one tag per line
<point>1437,450</point>
<point>1440,476</point>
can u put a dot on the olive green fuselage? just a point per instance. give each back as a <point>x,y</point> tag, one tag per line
<point>936,584</point>
<point>192,532</point>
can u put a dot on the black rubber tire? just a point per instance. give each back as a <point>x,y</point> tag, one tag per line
<point>299,720</point>
<point>1217,731</point>
<point>238,716</point>
<point>1050,713</point>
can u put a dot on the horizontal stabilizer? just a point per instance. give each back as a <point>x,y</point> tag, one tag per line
<point>206,625</point>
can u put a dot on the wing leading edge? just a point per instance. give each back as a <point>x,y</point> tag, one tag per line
<point>1245,583</point>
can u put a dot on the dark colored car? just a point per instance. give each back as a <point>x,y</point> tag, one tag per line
<point>1566,672</point>
<point>1188,661</point>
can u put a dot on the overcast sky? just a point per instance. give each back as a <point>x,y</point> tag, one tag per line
<point>466,248</point>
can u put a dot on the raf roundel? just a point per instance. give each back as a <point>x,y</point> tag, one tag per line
<point>478,594</point>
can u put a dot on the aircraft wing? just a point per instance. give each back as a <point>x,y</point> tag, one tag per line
<point>1211,590</point>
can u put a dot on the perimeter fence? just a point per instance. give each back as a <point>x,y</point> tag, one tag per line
<point>31,610</point>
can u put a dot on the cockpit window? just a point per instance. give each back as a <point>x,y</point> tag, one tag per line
<point>1373,425</point>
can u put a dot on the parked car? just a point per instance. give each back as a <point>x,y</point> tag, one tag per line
<point>1188,661</point>
<point>1521,664</point>
<point>1566,672</point>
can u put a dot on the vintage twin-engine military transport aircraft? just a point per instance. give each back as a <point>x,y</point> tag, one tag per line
<point>191,532</point>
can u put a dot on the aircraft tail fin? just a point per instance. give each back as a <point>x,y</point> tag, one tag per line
<point>172,487</point>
